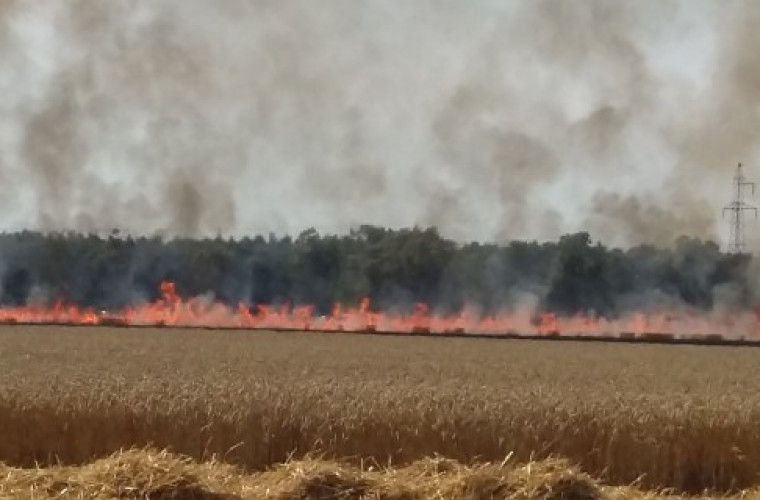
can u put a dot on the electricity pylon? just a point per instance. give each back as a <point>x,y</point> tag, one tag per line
<point>736,209</point>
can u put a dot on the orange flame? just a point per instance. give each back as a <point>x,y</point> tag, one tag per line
<point>173,310</point>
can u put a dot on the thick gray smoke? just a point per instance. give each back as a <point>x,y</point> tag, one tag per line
<point>491,120</point>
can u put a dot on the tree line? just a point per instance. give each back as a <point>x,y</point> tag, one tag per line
<point>395,268</point>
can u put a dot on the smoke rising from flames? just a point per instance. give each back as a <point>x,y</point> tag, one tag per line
<point>491,120</point>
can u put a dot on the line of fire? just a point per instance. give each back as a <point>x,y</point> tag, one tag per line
<point>173,310</point>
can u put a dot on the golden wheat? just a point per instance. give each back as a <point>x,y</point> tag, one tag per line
<point>665,416</point>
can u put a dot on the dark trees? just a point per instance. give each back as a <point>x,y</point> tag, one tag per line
<point>394,268</point>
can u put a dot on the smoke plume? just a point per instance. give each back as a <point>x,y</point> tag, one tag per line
<point>490,120</point>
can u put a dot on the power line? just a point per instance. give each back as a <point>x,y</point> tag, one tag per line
<point>736,209</point>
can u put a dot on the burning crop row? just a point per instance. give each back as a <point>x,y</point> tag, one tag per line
<point>171,309</point>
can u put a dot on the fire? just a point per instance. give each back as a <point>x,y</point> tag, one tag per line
<point>173,310</point>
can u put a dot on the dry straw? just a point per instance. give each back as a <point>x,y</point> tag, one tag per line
<point>151,474</point>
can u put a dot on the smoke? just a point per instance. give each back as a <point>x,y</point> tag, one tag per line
<point>491,120</point>
<point>644,220</point>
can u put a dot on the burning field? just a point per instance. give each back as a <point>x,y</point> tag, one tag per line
<point>680,417</point>
<point>391,250</point>
<point>173,310</point>
<point>380,364</point>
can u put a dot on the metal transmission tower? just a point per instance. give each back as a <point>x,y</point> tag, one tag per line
<point>736,209</point>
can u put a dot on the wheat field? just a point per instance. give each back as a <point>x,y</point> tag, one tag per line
<point>679,417</point>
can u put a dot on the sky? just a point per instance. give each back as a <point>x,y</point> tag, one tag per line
<point>492,120</point>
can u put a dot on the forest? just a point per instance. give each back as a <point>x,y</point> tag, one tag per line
<point>394,268</point>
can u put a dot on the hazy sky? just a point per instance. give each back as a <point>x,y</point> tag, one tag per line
<point>493,120</point>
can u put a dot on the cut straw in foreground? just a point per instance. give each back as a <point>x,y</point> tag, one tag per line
<point>153,474</point>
